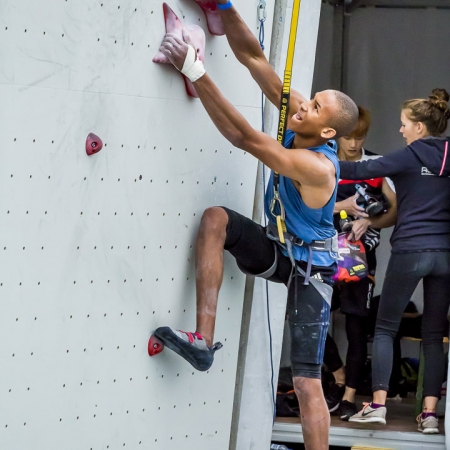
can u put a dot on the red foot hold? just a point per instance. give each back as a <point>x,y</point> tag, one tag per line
<point>155,346</point>
<point>93,144</point>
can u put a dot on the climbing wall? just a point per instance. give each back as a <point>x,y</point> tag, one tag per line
<point>97,251</point>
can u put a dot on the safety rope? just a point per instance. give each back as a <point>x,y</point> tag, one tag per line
<point>262,18</point>
<point>284,108</point>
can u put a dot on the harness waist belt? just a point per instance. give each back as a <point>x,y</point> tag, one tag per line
<point>326,245</point>
<point>329,245</point>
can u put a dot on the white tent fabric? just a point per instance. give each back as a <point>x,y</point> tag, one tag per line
<point>393,55</point>
<point>390,55</point>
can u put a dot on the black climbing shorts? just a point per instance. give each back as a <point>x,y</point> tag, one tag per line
<point>307,311</point>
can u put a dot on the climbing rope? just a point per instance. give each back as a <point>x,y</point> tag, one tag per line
<point>284,108</point>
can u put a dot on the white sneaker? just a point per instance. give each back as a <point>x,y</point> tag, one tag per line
<point>370,415</point>
<point>429,425</point>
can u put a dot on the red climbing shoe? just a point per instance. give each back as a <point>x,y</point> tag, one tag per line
<point>190,346</point>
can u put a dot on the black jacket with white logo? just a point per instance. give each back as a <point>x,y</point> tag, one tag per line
<point>421,175</point>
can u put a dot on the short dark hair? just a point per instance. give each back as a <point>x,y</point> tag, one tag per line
<point>346,118</point>
<point>363,125</point>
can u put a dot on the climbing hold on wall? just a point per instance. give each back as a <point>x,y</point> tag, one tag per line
<point>196,34</point>
<point>155,345</point>
<point>93,144</point>
<point>212,14</point>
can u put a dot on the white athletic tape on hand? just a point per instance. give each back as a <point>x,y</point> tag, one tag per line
<point>192,68</point>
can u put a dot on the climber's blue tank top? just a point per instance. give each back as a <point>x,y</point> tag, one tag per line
<point>302,221</point>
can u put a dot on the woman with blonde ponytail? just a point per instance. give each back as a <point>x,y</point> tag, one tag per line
<point>420,249</point>
<point>432,113</point>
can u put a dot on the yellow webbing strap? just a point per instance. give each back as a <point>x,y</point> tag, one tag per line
<point>286,92</point>
<point>284,108</point>
<point>281,225</point>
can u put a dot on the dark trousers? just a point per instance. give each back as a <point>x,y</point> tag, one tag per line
<point>357,328</point>
<point>403,274</point>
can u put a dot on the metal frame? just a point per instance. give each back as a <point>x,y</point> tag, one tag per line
<point>274,60</point>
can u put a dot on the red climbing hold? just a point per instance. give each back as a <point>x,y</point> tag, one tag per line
<point>197,39</point>
<point>155,345</point>
<point>93,144</point>
<point>213,19</point>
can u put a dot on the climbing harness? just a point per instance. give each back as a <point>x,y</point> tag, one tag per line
<point>278,232</point>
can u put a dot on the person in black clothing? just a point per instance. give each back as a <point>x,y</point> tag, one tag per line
<point>420,248</point>
<point>354,299</point>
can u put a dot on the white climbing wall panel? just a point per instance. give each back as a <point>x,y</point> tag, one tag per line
<point>96,252</point>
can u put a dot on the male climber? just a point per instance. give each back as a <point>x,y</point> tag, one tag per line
<point>309,170</point>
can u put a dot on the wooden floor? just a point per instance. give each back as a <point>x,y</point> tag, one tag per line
<point>400,431</point>
<point>400,417</point>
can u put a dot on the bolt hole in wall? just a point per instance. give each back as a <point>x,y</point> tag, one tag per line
<point>98,229</point>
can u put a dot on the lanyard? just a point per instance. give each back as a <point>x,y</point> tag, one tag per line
<point>282,119</point>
